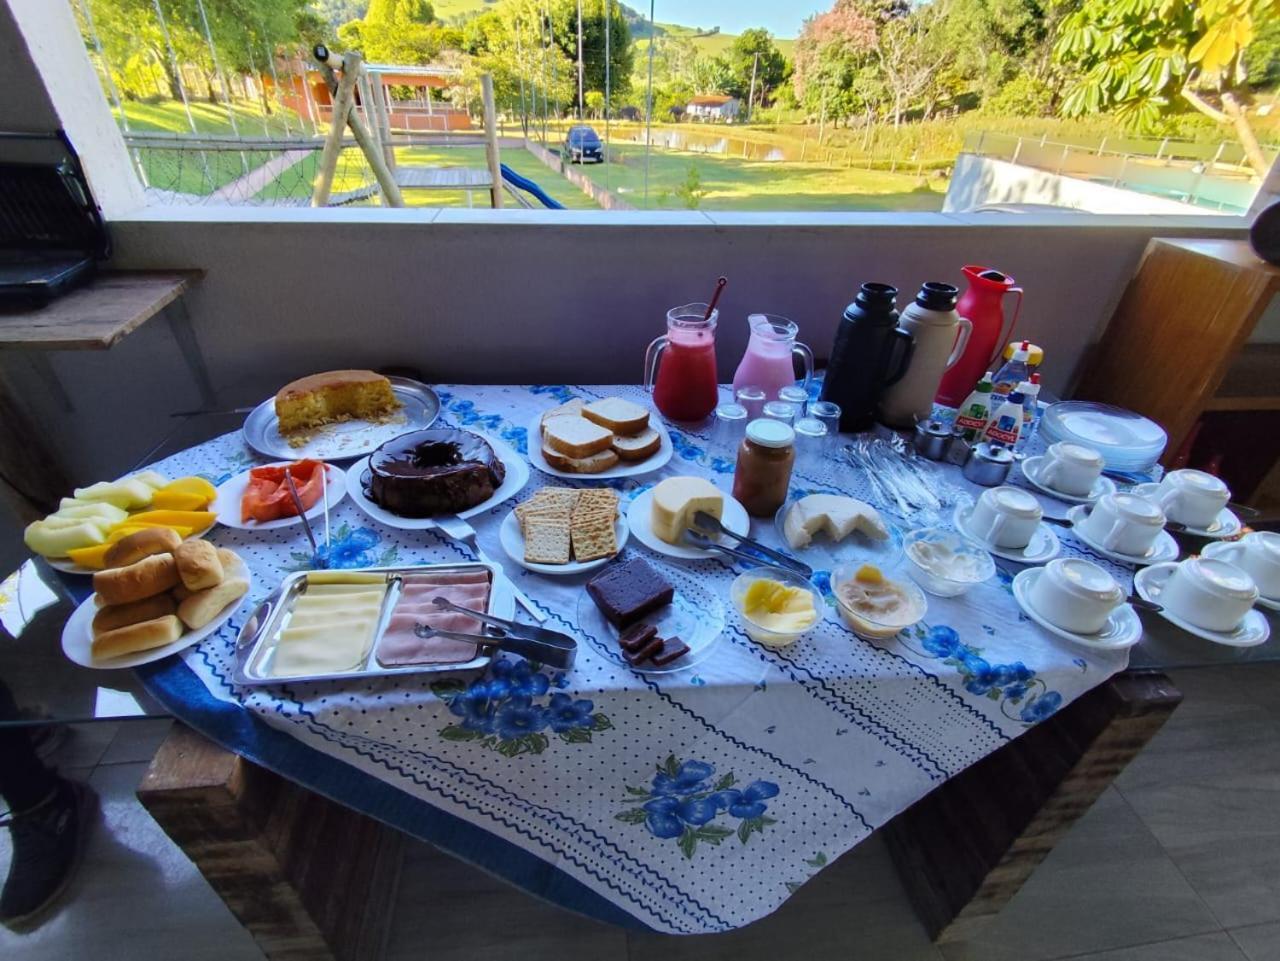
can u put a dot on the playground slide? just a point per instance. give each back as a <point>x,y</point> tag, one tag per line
<point>529,187</point>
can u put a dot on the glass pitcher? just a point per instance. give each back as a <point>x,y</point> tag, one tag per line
<point>680,368</point>
<point>767,362</point>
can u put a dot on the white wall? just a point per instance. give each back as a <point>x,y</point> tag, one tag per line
<point>979,181</point>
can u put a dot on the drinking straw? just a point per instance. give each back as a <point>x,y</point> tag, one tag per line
<point>715,298</point>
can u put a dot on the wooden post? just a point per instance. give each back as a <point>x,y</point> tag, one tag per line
<point>352,67</point>
<point>491,140</point>
<point>333,140</point>
<point>964,850</point>
<point>308,878</point>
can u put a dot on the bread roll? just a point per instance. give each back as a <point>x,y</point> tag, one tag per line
<point>232,565</point>
<point>145,578</point>
<point>198,565</point>
<point>143,636</point>
<point>131,549</point>
<point>203,606</point>
<point>122,615</point>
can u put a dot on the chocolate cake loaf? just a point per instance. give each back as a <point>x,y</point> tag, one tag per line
<point>429,472</point>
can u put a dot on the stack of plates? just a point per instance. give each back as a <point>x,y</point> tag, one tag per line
<point>1126,441</point>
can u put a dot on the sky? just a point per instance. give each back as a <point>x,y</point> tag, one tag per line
<point>782,18</point>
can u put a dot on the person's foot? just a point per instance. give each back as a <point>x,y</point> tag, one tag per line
<point>48,841</point>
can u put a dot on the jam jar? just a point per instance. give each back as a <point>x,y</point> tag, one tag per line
<point>763,473</point>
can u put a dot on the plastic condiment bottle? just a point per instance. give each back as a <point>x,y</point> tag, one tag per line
<point>1005,425</point>
<point>1030,391</point>
<point>763,473</point>
<point>1014,371</point>
<point>940,336</point>
<point>975,412</point>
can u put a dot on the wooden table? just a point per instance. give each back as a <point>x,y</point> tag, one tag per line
<point>93,317</point>
<point>292,865</point>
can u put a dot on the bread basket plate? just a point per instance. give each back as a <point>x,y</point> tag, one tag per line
<point>352,438</point>
<point>227,504</point>
<point>77,635</point>
<point>517,475</point>
<point>623,468</point>
<point>71,567</point>
<point>513,543</point>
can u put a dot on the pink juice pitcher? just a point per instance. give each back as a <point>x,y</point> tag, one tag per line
<point>767,362</point>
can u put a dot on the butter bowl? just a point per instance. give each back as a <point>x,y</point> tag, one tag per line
<point>762,633</point>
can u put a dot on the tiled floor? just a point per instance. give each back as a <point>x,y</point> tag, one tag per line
<point>1179,861</point>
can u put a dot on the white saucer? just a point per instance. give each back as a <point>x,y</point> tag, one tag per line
<point>516,477</point>
<point>230,492</point>
<point>1226,524</point>
<point>1253,630</point>
<point>1031,471</point>
<point>513,543</point>
<point>735,518</point>
<point>1164,549</point>
<point>1043,547</point>
<point>77,635</point>
<point>1123,629</point>
<point>624,468</point>
<point>1225,551</point>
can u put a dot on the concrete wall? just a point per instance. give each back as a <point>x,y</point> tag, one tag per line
<point>981,181</point>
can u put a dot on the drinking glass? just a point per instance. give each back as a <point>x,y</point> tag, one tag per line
<point>780,410</point>
<point>811,444</point>
<point>829,414</point>
<point>752,398</point>
<point>795,395</point>
<point>728,429</point>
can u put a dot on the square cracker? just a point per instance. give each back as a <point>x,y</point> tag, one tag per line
<point>547,541</point>
<point>594,539</point>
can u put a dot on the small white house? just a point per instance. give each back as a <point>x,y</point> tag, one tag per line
<point>714,107</point>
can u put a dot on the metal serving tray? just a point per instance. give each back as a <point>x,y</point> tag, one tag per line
<point>352,438</point>
<point>257,639</point>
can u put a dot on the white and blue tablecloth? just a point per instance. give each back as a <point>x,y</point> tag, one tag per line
<point>687,803</point>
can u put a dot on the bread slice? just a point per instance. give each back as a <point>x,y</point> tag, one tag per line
<point>546,541</point>
<point>572,408</point>
<point>575,436</point>
<point>638,447</point>
<point>594,464</point>
<point>618,415</point>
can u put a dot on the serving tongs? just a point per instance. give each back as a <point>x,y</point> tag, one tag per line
<point>705,524</point>
<point>540,644</point>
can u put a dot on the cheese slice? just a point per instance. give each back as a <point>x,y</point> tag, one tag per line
<point>837,516</point>
<point>676,500</point>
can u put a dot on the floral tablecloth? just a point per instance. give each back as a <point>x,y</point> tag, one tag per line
<point>691,802</point>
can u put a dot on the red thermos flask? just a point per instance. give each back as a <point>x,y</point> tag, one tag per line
<point>983,305</point>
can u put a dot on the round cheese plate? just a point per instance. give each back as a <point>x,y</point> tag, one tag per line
<point>640,514</point>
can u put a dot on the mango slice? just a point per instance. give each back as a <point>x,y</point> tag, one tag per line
<point>196,520</point>
<point>192,485</point>
<point>178,501</point>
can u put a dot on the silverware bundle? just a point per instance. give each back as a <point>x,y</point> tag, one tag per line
<point>901,480</point>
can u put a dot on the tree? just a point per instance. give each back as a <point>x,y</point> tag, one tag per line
<point>564,22</point>
<point>712,75</point>
<point>395,31</point>
<point>1138,58</point>
<point>905,59</point>
<point>754,56</point>
<point>832,46</point>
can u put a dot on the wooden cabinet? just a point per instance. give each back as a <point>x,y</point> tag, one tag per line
<point>1176,349</point>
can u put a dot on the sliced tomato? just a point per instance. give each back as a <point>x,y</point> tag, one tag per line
<point>267,497</point>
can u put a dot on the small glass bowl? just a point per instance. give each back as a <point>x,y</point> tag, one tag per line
<point>763,635</point>
<point>947,585</point>
<point>870,627</point>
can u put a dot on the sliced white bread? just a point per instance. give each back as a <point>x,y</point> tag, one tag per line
<point>618,415</point>
<point>638,447</point>
<point>575,436</point>
<point>592,464</point>
<point>572,408</point>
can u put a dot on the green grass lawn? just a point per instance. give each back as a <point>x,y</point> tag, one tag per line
<point>735,184</point>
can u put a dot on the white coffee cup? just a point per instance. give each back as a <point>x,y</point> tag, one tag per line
<point>1192,497</point>
<point>1005,517</point>
<point>1258,555</point>
<point>1124,524</point>
<point>1070,468</point>
<point>1076,595</point>
<point>1209,593</point>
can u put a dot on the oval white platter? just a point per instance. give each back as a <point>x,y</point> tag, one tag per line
<point>623,468</point>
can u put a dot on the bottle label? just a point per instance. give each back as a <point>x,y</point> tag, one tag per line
<point>972,421</point>
<point>1005,429</point>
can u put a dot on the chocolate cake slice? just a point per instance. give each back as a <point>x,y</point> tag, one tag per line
<point>627,591</point>
<point>429,472</point>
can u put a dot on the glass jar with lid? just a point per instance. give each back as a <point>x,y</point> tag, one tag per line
<point>765,459</point>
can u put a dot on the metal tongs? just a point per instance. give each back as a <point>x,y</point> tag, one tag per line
<point>705,524</point>
<point>529,641</point>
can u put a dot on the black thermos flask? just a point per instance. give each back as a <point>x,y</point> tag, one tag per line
<point>869,354</point>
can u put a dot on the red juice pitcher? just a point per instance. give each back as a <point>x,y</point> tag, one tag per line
<point>680,368</point>
<point>983,305</point>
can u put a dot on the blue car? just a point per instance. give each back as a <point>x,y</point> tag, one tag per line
<point>582,144</point>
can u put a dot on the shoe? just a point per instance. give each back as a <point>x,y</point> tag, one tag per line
<point>48,843</point>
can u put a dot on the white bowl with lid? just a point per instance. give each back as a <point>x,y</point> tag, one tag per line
<point>1209,593</point>
<point>1076,595</point>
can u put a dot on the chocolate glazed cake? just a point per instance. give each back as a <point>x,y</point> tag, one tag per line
<point>429,472</point>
